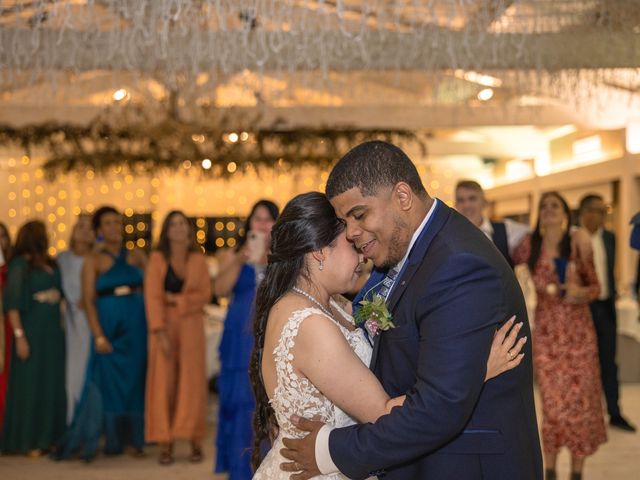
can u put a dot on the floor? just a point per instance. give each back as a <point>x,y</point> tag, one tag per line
<point>618,459</point>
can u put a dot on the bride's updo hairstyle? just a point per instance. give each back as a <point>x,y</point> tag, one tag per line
<point>307,223</point>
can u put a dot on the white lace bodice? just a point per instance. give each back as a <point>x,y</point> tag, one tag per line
<point>296,395</point>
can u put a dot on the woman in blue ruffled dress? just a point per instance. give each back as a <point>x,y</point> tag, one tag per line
<point>241,270</point>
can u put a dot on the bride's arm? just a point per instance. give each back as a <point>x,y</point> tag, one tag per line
<point>322,354</point>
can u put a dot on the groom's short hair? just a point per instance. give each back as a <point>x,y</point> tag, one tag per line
<point>370,166</point>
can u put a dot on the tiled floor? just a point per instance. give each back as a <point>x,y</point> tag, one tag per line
<point>618,459</point>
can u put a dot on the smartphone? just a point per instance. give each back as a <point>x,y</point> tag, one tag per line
<point>255,245</point>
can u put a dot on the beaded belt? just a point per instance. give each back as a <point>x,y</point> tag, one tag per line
<point>120,291</point>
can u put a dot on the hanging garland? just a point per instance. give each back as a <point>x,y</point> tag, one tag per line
<point>129,137</point>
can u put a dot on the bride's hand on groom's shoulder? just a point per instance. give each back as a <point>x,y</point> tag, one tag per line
<point>301,451</point>
<point>505,349</point>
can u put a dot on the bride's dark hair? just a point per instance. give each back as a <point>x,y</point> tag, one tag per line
<point>307,223</point>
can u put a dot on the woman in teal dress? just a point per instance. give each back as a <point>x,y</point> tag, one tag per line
<point>35,412</point>
<point>112,401</point>
<point>240,272</point>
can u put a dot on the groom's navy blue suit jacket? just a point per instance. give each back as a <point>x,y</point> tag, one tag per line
<point>453,294</point>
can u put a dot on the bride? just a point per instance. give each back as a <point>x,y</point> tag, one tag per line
<point>309,359</point>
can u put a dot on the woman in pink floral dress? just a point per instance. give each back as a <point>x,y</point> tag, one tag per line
<point>565,350</point>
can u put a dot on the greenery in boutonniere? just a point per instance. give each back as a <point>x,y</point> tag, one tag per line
<point>374,315</point>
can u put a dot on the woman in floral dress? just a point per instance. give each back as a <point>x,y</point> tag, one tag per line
<point>565,350</point>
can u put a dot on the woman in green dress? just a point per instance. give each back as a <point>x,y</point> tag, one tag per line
<point>35,414</point>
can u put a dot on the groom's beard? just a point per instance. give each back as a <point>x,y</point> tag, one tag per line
<point>398,244</point>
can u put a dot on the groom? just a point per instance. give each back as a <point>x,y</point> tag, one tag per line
<point>450,289</point>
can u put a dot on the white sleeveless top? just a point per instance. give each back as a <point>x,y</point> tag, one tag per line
<point>296,395</point>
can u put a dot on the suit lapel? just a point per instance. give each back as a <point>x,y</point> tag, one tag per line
<point>414,261</point>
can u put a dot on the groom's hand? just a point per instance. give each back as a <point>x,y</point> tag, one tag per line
<point>302,452</point>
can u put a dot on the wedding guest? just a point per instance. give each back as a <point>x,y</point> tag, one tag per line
<point>176,289</point>
<point>634,242</point>
<point>77,333</point>
<point>112,401</point>
<point>241,270</point>
<point>6,332</point>
<point>565,349</point>
<point>506,234</point>
<point>603,309</point>
<point>34,417</point>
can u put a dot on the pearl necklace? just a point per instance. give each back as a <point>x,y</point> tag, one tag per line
<point>312,299</point>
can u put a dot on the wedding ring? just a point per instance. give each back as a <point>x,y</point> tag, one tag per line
<point>298,467</point>
<point>511,355</point>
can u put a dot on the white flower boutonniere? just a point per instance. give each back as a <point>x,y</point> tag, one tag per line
<point>374,315</point>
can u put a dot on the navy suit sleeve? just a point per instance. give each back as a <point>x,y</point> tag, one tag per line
<point>457,317</point>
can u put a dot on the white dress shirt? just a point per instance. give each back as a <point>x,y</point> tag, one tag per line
<point>515,231</point>
<point>323,456</point>
<point>600,262</point>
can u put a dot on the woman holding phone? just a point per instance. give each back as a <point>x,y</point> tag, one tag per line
<point>241,270</point>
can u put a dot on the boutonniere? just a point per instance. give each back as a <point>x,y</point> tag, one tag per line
<point>374,315</point>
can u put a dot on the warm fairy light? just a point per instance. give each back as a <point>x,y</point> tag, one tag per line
<point>128,212</point>
<point>231,242</point>
<point>52,251</point>
<point>206,164</point>
<point>77,194</point>
<point>51,201</point>
<point>62,194</point>
<point>24,177</point>
<point>435,185</point>
<point>120,94</point>
<point>154,198</point>
<point>60,211</point>
<point>90,174</point>
<point>141,226</point>
<point>485,94</point>
<point>233,137</point>
<point>89,208</point>
<point>39,173</point>
<point>25,160</point>
<point>139,193</point>
<point>155,182</point>
<point>12,195</point>
<point>219,226</point>
<point>141,242</point>
<point>200,223</point>
<point>231,210</point>
<point>51,217</point>
<point>90,191</point>
<point>321,187</point>
<point>186,164</point>
<point>324,176</point>
<point>12,212</point>
<point>117,185</point>
<point>77,210</point>
<point>104,188</point>
<point>62,227</point>
<point>307,182</point>
<point>12,162</point>
<point>39,206</point>
<point>200,235</point>
<point>128,179</point>
<point>39,190</point>
<point>128,229</point>
<point>219,242</point>
<point>242,199</point>
<point>231,167</point>
<point>26,193</point>
<point>130,245</point>
<point>26,211</point>
<point>12,179</point>
<point>61,244</point>
<point>128,196</point>
<point>231,226</point>
<point>244,136</point>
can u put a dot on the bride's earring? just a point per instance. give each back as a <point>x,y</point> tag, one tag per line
<point>321,266</point>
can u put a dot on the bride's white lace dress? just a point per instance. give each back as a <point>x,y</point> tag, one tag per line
<point>296,395</point>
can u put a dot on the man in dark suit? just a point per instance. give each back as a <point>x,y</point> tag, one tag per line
<point>603,309</point>
<point>449,289</point>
